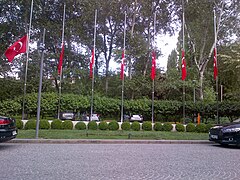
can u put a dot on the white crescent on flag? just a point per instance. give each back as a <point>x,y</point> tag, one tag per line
<point>17,48</point>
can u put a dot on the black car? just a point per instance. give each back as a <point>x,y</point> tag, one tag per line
<point>8,129</point>
<point>226,134</point>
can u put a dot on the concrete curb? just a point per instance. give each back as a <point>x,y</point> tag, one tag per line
<point>107,141</point>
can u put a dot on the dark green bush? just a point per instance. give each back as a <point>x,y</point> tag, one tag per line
<point>92,125</point>
<point>208,127</point>
<point>147,126</point>
<point>44,124</point>
<point>126,126</point>
<point>180,127</point>
<point>80,126</point>
<point>135,126</point>
<point>113,126</point>
<point>201,128</point>
<point>31,124</point>
<point>67,124</point>
<point>158,126</point>
<point>19,124</point>
<point>103,125</point>
<point>56,124</point>
<point>190,127</point>
<point>167,127</point>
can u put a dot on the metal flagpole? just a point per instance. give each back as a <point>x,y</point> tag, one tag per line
<point>41,48</point>
<point>215,46</point>
<point>25,79</point>
<point>123,61</point>
<point>154,32</point>
<point>94,44</point>
<point>60,80</point>
<point>183,24</point>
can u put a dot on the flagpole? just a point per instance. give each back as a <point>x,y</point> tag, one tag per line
<point>60,81</point>
<point>215,47</point>
<point>123,61</point>
<point>154,32</point>
<point>26,68</point>
<point>42,49</point>
<point>94,44</point>
<point>183,24</point>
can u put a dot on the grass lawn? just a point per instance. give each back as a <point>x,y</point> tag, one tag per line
<point>100,134</point>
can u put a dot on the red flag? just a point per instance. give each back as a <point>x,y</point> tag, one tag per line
<point>17,48</point>
<point>122,66</point>
<point>215,68</point>
<point>184,69</point>
<point>153,73</point>
<point>61,60</point>
<point>91,64</point>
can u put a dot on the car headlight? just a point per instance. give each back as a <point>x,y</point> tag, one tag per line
<point>231,130</point>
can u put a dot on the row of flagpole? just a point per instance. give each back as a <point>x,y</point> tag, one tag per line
<point>12,51</point>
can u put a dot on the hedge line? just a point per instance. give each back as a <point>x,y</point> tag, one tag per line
<point>114,126</point>
<point>164,111</point>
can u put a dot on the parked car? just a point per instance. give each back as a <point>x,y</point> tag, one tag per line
<point>136,117</point>
<point>95,117</point>
<point>67,115</point>
<point>8,129</point>
<point>226,134</point>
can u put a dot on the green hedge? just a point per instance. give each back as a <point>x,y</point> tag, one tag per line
<point>190,127</point>
<point>19,124</point>
<point>56,124</point>
<point>180,127</point>
<point>31,124</point>
<point>67,124</point>
<point>80,126</point>
<point>103,125</point>
<point>44,124</point>
<point>92,125</point>
<point>126,126</point>
<point>167,127</point>
<point>201,128</point>
<point>135,126</point>
<point>113,126</point>
<point>158,126</point>
<point>147,126</point>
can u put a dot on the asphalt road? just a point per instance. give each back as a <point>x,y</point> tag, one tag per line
<point>118,161</point>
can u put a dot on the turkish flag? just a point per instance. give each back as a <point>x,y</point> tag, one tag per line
<point>184,69</point>
<point>215,68</point>
<point>122,66</point>
<point>17,48</point>
<point>153,73</point>
<point>91,64</point>
<point>61,60</point>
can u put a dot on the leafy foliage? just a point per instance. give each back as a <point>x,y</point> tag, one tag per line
<point>180,127</point>
<point>56,124</point>
<point>103,125</point>
<point>80,126</point>
<point>190,127</point>
<point>67,124</point>
<point>167,126</point>
<point>31,124</point>
<point>92,125</point>
<point>147,126</point>
<point>44,124</point>
<point>126,126</point>
<point>135,126</point>
<point>158,126</point>
<point>19,124</point>
<point>113,126</point>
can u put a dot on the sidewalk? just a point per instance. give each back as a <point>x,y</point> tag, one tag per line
<point>107,141</point>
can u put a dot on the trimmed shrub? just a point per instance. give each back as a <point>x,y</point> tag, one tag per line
<point>92,125</point>
<point>135,126</point>
<point>44,124</point>
<point>113,126</point>
<point>19,124</point>
<point>208,127</point>
<point>158,126</point>
<point>147,126</point>
<point>67,124</point>
<point>201,128</point>
<point>167,127</point>
<point>80,126</point>
<point>31,124</point>
<point>103,125</point>
<point>180,127</point>
<point>56,124</point>
<point>126,126</point>
<point>190,127</point>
